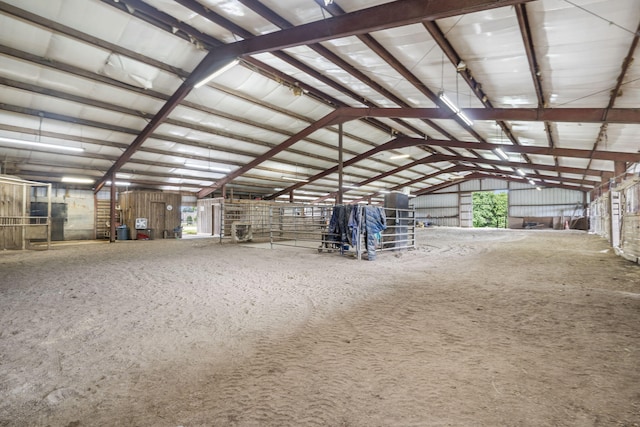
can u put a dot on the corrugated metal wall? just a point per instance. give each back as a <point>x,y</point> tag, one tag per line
<point>554,205</point>
<point>437,209</point>
<point>549,202</point>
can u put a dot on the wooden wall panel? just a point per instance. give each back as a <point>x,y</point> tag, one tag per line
<point>152,205</point>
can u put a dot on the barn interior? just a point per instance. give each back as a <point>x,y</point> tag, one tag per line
<point>171,177</point>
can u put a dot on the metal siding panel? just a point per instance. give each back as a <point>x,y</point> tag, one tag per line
<point>491,184</point>
<point>473,185</point>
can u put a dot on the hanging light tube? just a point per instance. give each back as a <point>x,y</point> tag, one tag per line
<point>399,156</point>
<point>448,103</point>
<point>520,172</point>
<point>216,73</point>
<point>453,107</point>
<point>465,119</point>
<point>74,180</point>
<point>501,153</point>
<point>41,144</point>
<point>290,178</point>
<point>209,168</point>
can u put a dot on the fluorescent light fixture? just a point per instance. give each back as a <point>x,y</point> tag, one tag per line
<point>290,178</point>
<point>520,172</point>
<point>349,186</point>
<point>74,180</point>
<point>465,119</point>
<point>41,144</point>
<point>448,103</point>
<point>532,182</point>
<point>119,183</point>
<point>538,188</point>
<point>216,73</point>
<point>453,107</point>
<point>384,191</point>
<point>208,168</point>
<point>400,156</point>
<point>501,153</point>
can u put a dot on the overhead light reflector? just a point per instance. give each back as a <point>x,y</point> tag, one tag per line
<point>74,180</point>
<point>453,107</point>
<point>291,178</point>
<point>41,144</point>
<point>399,156</point>
<point>501,153</point>
<point>206,167</point>
<point>216,73</point>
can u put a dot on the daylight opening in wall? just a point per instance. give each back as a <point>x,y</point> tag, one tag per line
<point>490,209</point>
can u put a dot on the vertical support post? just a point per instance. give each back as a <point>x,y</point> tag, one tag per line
<point>619,169</point>
<point>231,197</point>
<point>112,211</point>
<point>25,217</point>
<point>224,192</point>
<point>49,222</point>
<point>291,196</point>
<point>340,134</point>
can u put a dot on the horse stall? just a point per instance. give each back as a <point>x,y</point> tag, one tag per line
<point>19,228</point>
<point>629,223</point>
<point>150,215</point>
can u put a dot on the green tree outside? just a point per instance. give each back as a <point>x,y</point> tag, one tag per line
<point>490,209</point>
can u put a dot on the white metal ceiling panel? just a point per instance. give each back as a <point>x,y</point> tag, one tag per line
<point>490,44</point>
<point>577,135</point>
<point>580,71</point>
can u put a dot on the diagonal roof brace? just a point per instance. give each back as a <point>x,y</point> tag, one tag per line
<point>360,22</point>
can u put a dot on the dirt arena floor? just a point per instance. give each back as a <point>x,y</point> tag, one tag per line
<point>473,328</point>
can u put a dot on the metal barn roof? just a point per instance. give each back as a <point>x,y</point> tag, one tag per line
<point>420,93</point>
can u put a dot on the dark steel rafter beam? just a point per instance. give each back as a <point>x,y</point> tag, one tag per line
<point>492,174</point>
<point>394,63</point>
<point>406,184</point>
<point>534,68</point>
<point>145,92</point>
<point>328,120</point>
<point>155,17</point>
<point>276,19</point>
<point>440,158</point>
<point>527,149</point>
<point>87,38</point>
<point>394,144</point>
<point>437,158</point>
<point>271,16</point>
<point>476,87</point>
<point>366,20</point>
<point>389,15</point>
<point>615,92</point>
<point>573,115</point>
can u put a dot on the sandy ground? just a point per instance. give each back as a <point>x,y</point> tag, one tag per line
<point>474,328</point>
